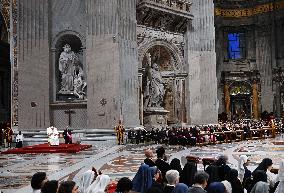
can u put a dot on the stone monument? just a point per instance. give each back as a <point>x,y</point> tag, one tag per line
<point>154,113</point>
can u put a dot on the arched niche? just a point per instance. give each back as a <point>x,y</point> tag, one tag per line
<point>170,64</point>
<point>174,52</point>
<point>77,46</point>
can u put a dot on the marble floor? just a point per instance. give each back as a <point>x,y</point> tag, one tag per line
<point>119,161</point>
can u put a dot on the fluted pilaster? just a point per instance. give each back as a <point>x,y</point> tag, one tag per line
<point>112,60</point>
<point>33,63</point>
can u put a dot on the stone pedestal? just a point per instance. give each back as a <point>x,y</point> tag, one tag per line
<point>66,97</point>
<point>155,117</point>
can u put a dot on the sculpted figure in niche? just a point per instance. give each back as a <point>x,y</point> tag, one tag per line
<point>155,85</point>
<point>72,78</point>
<point>79,84</point>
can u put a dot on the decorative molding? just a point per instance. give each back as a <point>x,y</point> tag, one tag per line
<point>249,12</point>
<point>14,64</point>
<point>5,10</point>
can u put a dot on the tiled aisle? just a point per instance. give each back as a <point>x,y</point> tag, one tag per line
<point>119,161</point>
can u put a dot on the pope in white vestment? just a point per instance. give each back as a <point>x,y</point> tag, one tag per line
<point>52,135</point>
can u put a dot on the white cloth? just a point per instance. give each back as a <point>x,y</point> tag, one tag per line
<point>52,134</point>
<point>243,159</point>
<point>99,185</point>
<point>280,177</point>
<point>19,138</point>
<point>227,185</point>
<point>271,178</point>
<point>86,180</point>
<point>37,191</point>
<point>260,187</point>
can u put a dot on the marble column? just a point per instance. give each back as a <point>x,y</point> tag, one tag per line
<point>255,100</point>
<point>201,58</point>
<point>141,96</point>
<point>33,63</point>
<point>111,54</point>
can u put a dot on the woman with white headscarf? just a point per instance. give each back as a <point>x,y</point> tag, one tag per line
<point>86,180</point>
<point>99,185</point>
<point>242,168</point>
<point>280,187</point>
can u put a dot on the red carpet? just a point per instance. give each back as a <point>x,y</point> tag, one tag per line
<point>45,148</point>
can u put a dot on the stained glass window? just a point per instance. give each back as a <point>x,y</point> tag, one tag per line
<point>236,45</point>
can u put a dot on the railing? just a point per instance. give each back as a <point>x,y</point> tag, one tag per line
<point>179,5</point>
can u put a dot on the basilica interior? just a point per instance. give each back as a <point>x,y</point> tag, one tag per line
<point>150,63</point>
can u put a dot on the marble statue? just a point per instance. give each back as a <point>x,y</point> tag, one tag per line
<point>155,85</point>
<point>79,83</point>
<point>72,75</point>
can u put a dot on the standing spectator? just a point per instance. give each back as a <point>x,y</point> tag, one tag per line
<point>119,129</point>
<point>266,165</point>
<point>143,179</point>
<point>244,172</point>
<point>8,135</point>
<point>223,167</point>
<point>280,186</point>
<point>68,187</point>
<point>258,176</point>
<point>216,187</point>
<point>99,185</point>
<point>37,181</point>
<point>189,170</point>
<point>161,163</point>
<point>86,180</point>
<point>175,165</point>
<point>235,182</point>
<point>200,182</point>
<point>172,177</point>
<point>50,187</point>
<point>67,134</point>
<point>149,155</point>
<point>181,188</point>
<point>124,185</point>
<point>155,175</point>
<point>19,140</point>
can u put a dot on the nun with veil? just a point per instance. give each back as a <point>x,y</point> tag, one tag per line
<point>99,185</point>
<point>86,180</point>
<point>244,173</point>
<point>144,178</point>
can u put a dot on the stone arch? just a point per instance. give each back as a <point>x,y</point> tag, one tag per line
<point>244,87</point>
<point>173,49</point>
<point>68,32</point>
<point>240,99</point>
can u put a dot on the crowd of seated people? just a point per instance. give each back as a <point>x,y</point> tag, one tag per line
<point>213,133</point>
<point>164,177</point>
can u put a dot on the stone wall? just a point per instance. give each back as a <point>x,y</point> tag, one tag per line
<point>111,56</point>
<point>33,60</point>
<point>263,52</point>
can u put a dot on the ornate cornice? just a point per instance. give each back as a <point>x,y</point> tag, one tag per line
<point>5,10</point>
<point>248,12</point>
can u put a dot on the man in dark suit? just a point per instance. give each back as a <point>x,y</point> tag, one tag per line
<point>161,163</point>
<point>200,182</point>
